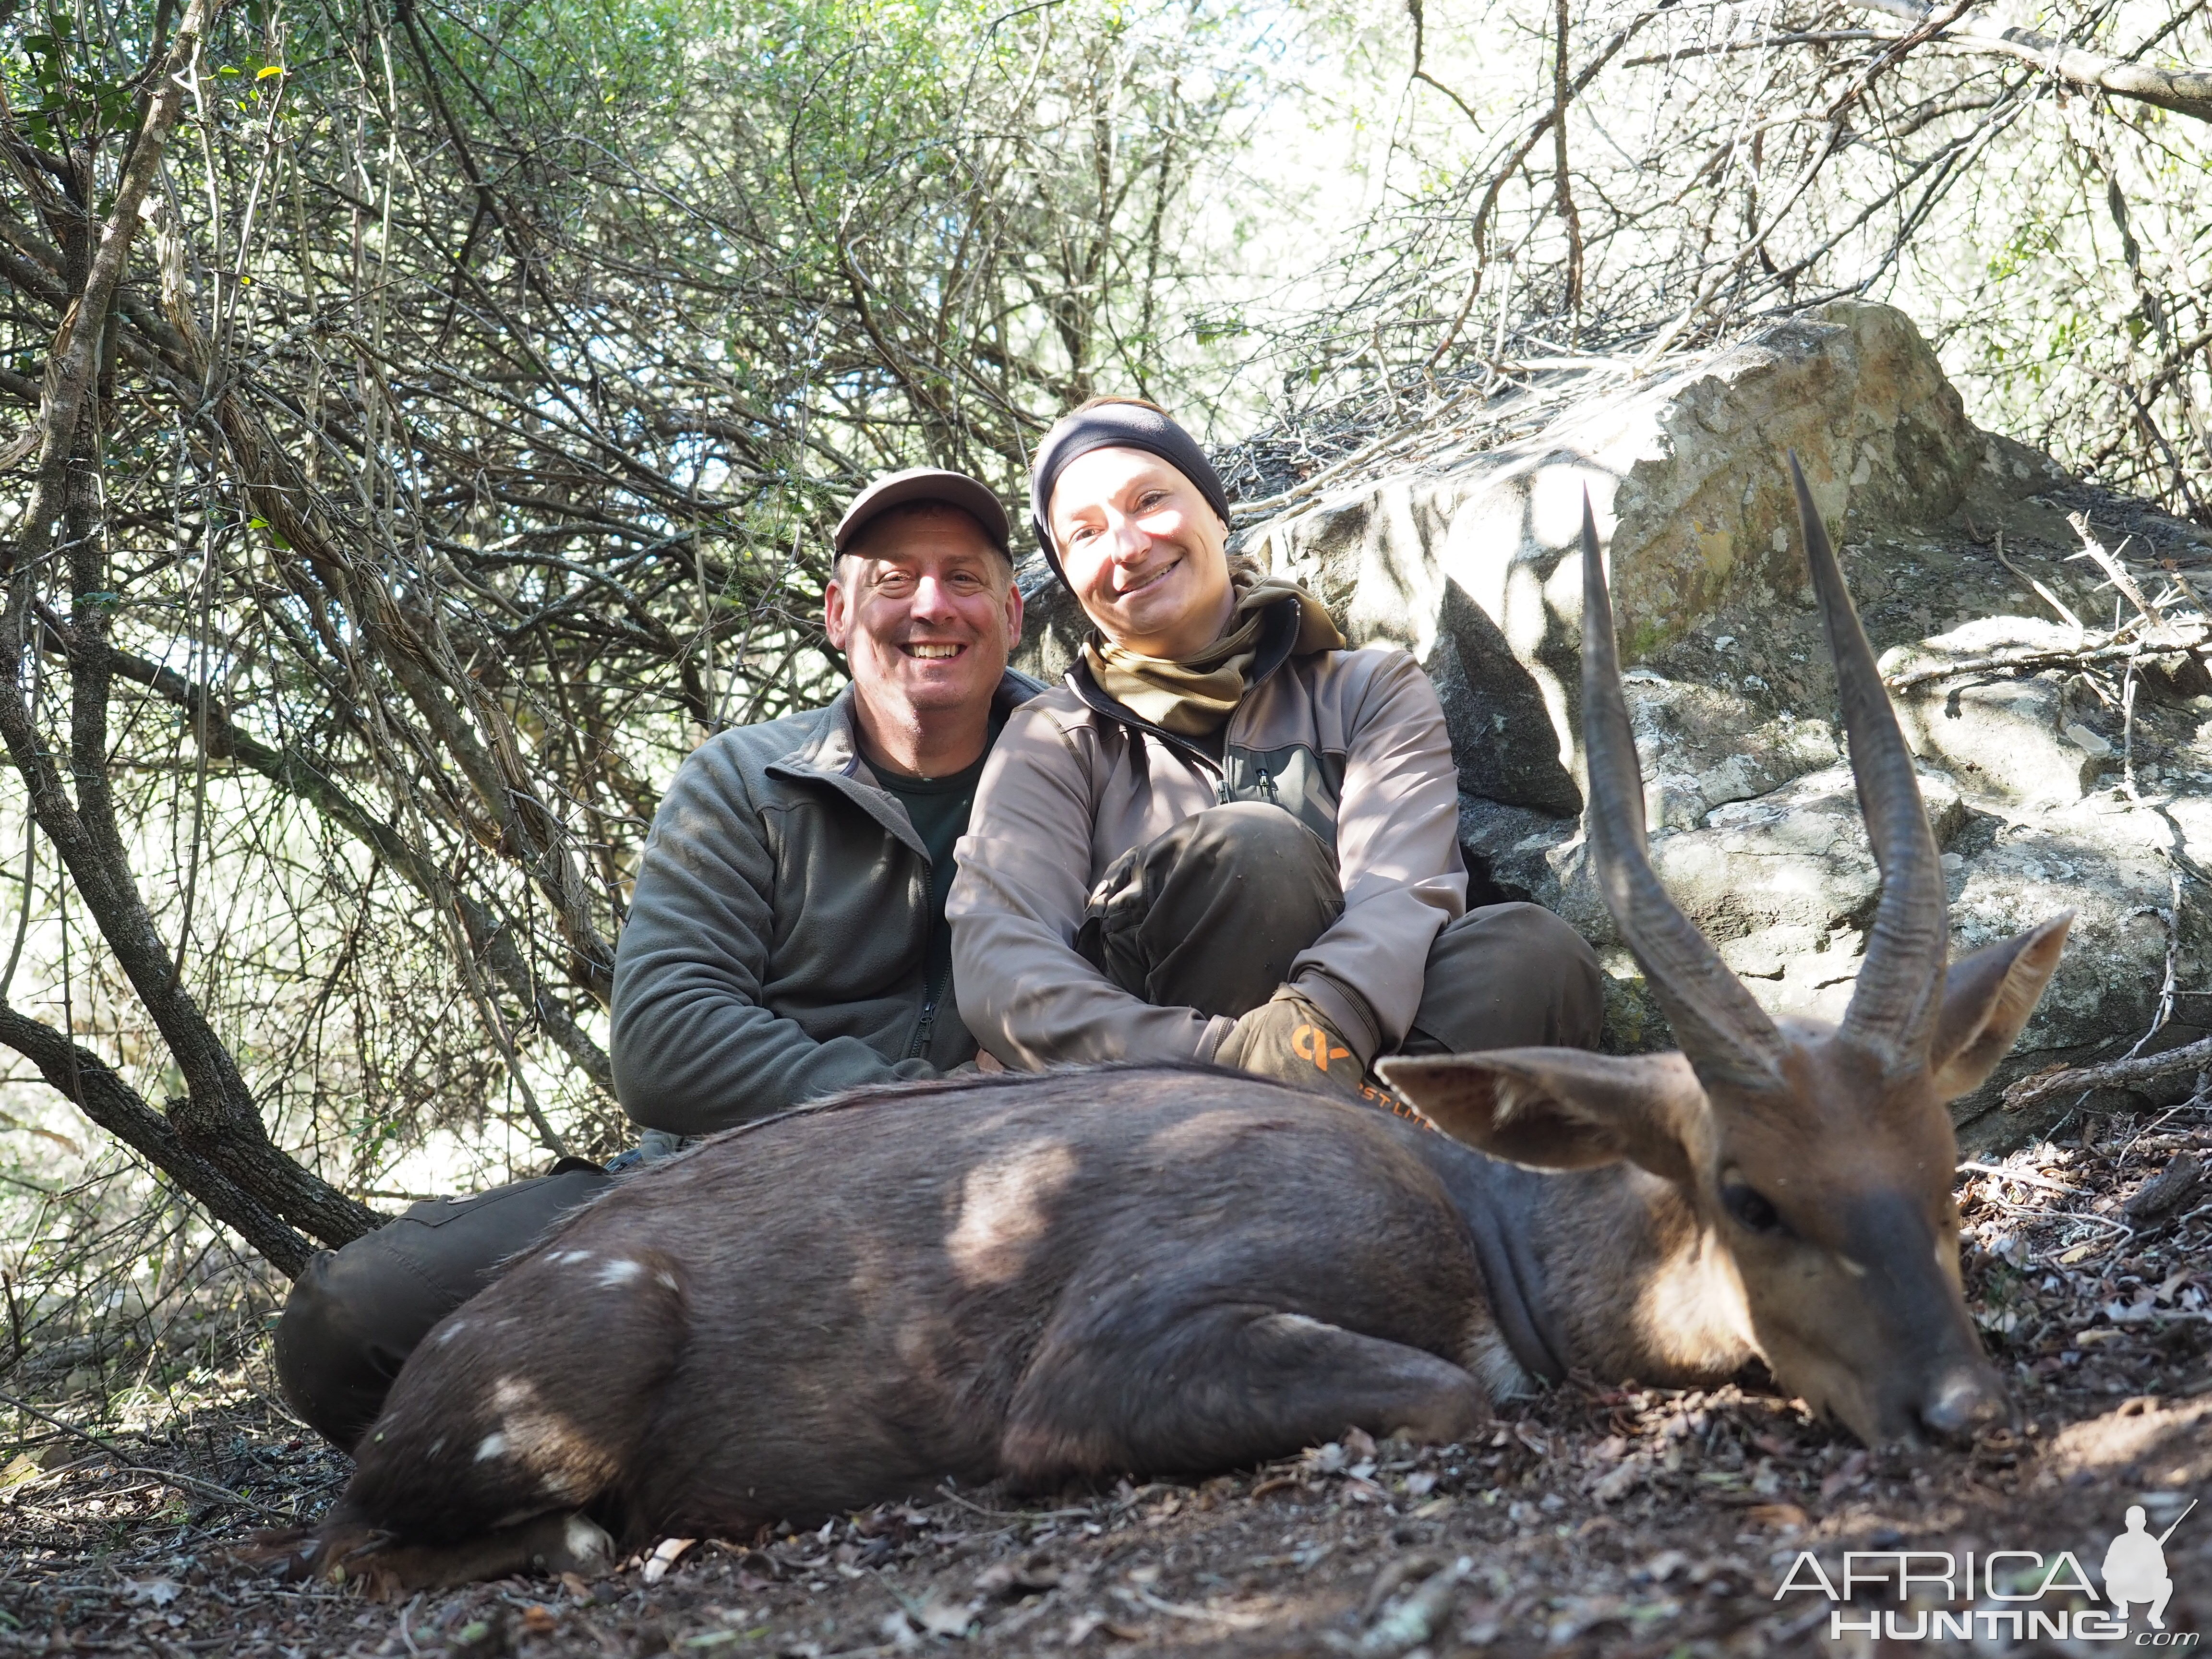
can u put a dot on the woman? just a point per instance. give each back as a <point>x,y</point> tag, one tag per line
<point>1227,838</point>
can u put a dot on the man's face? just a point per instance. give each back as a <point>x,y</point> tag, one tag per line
<point>926,610</point>
<point>1143,551</point>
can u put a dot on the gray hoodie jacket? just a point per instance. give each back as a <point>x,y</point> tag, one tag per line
<point>1352,743</point>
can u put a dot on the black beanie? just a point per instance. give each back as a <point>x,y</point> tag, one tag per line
<point>1115,425</point>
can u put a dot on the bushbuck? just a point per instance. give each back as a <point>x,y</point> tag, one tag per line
<point>1179,1270</point>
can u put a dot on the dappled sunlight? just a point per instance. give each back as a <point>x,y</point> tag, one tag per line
<point>1005,1207</point>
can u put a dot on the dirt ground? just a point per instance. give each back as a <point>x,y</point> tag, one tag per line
<point>1614,1521</point>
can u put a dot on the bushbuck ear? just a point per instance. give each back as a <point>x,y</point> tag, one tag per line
<point>1987,998</point>
<point>1559,1109</point>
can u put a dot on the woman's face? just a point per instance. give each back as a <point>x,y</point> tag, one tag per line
<point>1144,552</point>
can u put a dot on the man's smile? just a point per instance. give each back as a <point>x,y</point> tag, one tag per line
<point>930,652</point>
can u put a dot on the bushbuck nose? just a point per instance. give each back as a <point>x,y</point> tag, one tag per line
<point>1964,1399</point>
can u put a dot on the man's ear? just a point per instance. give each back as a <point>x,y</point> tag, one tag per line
<point>1987,998</point>
<point>834,615</point>
<point>1560,1109</point>
<point>1013,614</point>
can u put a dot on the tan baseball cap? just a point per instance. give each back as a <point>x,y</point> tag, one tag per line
<point>925,483</point>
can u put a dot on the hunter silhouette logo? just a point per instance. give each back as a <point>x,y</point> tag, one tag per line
<point>2134,1567</point>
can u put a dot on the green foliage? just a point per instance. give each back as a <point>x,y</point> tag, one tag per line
<point>59,92</point>
<point>487,378</point>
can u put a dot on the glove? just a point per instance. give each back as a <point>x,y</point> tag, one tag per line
<point>1288,1039</point>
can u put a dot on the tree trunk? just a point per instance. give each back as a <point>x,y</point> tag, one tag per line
<point>212,1140</point>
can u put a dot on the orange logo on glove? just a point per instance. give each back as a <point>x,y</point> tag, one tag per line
<point>1311,1042</point>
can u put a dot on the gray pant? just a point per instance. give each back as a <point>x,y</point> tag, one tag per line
<point>355,1314</point>
<point>1210,915</point>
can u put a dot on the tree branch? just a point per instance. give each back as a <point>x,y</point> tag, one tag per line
<point>74,354</point>
<point>298,774</point>
<point>2184,91</point>
<point>2112,1074</point>
<point>95,1090</point>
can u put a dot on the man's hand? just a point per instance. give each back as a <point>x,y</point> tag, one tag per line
<point>1290,1040</point>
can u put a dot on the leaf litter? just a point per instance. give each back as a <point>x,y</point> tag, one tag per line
<point>1593,1519</point>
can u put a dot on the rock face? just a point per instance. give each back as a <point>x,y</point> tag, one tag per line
<point>1470,568</point>
<point>1945,530</point>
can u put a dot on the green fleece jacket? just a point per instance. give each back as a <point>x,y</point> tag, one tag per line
<point>776,944</point>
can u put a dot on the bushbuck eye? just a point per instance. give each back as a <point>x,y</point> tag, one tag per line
<point>1750,1209</point>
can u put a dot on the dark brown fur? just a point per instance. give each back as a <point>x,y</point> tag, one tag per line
<point>1043,1278</point>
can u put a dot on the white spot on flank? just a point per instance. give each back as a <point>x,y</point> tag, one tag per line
<point>437,1445</point>
<point>1856,1269</point>
<point>1002,1211</point>
<point>490,1446</point>
<point>451,1331</point>
<point>560,1256</point>
<point>619,1272</point>
<point>667,1278</point>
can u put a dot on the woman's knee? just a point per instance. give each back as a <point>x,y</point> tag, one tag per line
<point>1508,976</point>
<point>1251,837</point>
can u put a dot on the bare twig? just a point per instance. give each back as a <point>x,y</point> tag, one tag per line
<point>2014,661</point>
<point>2186,92</point>
<point>181,1482</point>
<point>2155,629</point>
<point>2042,590</point>
<point>2111,1074</point>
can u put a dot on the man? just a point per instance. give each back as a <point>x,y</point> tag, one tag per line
<point>1227,838</point>
<point>787,936</point>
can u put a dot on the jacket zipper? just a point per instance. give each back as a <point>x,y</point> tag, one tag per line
<point>928,1023</point>
<point>935,991</point>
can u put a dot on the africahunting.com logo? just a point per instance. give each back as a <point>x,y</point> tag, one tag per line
<point>2002,1595</point>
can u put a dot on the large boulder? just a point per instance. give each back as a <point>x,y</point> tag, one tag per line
<point>1468,565</point>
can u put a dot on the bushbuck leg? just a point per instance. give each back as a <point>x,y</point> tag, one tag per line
<point>560,1542</point>
<point>451,1464</point>
<point>1209,1385</point>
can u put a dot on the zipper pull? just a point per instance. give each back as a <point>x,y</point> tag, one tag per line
<point>1268,789</point>
<point>926,1027</point>
<point>1221,794</point>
